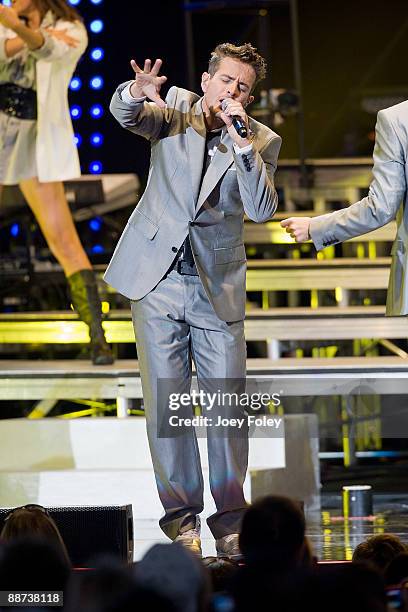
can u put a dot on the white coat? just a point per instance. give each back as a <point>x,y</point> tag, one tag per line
<point>56,154</point>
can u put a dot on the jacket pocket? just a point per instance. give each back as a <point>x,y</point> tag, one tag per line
<point>230,254</point>
<point>144,225</point>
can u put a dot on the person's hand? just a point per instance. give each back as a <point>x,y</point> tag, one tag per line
<point>148,82</point>
<point>234,108</point>
<point>9,17</point>
<point>62,35</point>
<point>297,227</point>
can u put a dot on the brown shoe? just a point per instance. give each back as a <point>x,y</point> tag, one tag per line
<point>191,538</point>
<point>228,547</point>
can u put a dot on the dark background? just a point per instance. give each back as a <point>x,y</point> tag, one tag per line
<point>350,50</point>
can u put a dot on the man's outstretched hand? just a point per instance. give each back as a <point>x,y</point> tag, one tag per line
<point>297,227</point>
<point>148,82</point>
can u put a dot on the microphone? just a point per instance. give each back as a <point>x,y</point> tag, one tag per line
<point>237,122</point>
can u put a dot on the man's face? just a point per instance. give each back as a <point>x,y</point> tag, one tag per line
<point>233,79</point>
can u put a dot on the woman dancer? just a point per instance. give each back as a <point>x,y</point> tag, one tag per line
<point>41,42</point>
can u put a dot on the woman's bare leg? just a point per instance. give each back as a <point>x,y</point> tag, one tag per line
<point>50,208</point>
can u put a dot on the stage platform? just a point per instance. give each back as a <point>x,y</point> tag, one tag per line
<point>273,324</point>
<point>79,379</point>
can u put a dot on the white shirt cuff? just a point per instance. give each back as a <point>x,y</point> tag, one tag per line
<point>242,150</point>
<point>128,98</point>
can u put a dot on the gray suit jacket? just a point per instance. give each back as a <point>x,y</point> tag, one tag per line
<point>387,199</point>
<point>176,202</point>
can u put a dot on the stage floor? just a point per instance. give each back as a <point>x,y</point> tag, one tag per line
<point>332,538</point>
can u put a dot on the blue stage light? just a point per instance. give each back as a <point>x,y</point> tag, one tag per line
<point>97,54</point>
<point>96,82</point>
<point>78,140</point>
<point>96,26</point>
<point>95,224</point>
<point>76,111</point>
<point>15,230</point>
<point>96,139</point>
<point>75,84</point>
<point>97,248</point>
<point>74,2</point>
<point>6,2</point>
<point>96,111</point>
<point>95,167</point>
<point>96,1</point>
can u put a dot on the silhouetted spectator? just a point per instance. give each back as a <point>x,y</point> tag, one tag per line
<point>276,553</point>
<point>31,564</point>
<point>351,587</point>
<point>397,570</point>
<point>110,586</point>
<point>176,573</point>
<point>32,520</point>
<point>273,533</point>
<point>221,572</point>
<point>379,550</point>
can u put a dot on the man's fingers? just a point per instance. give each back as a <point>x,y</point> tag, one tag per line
<point>135,67</point>
<point>147,65</point>
<point>286,222</point>
<point>156,67</point>
<point>226,119</point>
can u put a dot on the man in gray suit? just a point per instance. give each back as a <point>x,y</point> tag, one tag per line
<point>387,199</point>
<point>181,260</point>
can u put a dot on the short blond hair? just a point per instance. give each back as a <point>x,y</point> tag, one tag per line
<point>245,53</point>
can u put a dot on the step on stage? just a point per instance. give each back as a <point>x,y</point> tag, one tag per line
<point>79,379</point>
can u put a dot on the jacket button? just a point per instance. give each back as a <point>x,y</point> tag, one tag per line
<point>191,223</point>
<point>174,249</point>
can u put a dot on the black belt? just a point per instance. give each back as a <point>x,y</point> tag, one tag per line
<point>186,265</point>
<point>18,102</point>
<point>183,267</point>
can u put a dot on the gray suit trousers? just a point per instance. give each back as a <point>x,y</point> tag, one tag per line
<point>174,324</point>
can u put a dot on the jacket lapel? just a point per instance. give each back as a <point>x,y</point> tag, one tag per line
<point>196,135</point>
<point>221,160</point>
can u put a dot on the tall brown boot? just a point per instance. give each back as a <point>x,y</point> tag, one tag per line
<point>87,303</point>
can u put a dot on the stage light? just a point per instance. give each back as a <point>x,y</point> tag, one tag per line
<point>6,2</point>
<point>97,248</point>
<point>76,111</point>
<point>74,2</point>
<point>97,54</point>
<point>95,167</point>
<point>96,82</point>
<point>96,111</point>
<point>75,84</point>
<point>96,26</point>
<point>96,139</point>
<point>96,1</point>
<point>95,224</point>
<point>78,140</point>
<point>15,230</point>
